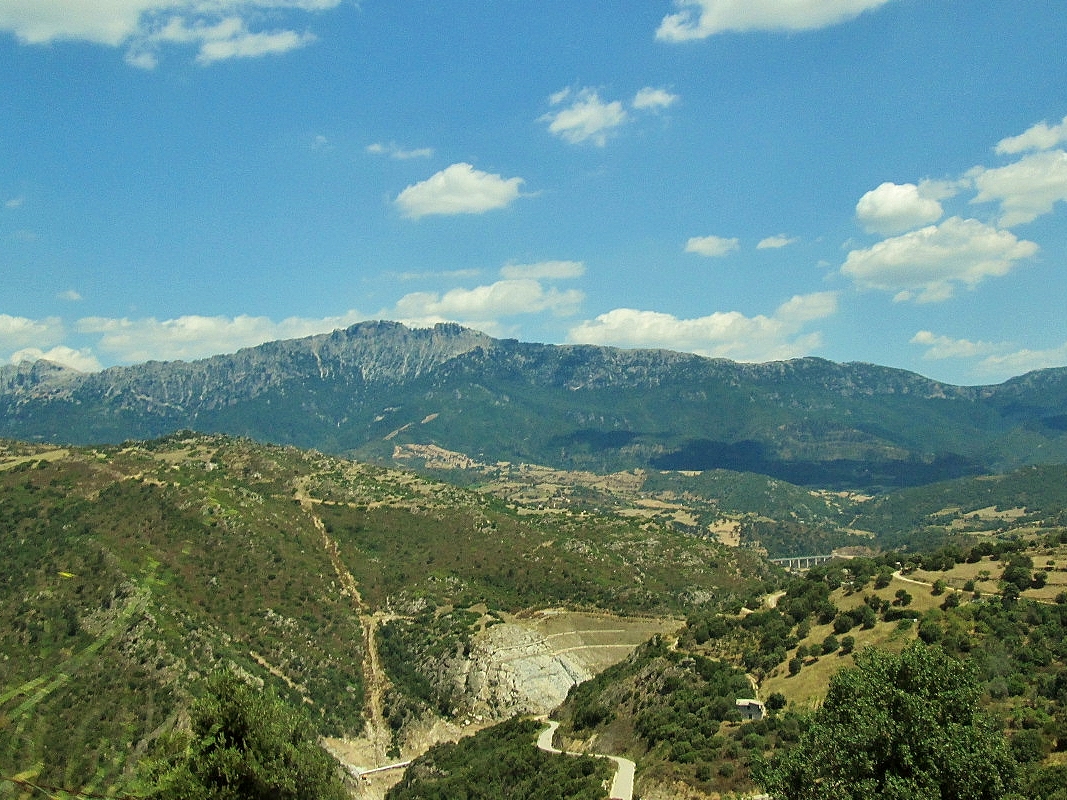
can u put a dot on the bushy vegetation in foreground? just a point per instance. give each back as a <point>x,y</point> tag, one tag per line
<point>244,744</point>
<point>675,707</point>
<point>898,726</point>
<point>500,763</point>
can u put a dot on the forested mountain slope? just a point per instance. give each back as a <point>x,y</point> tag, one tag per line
<point>364,390</point>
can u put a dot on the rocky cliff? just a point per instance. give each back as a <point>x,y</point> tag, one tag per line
<point>512,670</point>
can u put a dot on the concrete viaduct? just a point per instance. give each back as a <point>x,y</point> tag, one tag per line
<point>801,563</point>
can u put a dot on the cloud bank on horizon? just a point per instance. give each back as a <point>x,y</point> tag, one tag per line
<point>905,244</point>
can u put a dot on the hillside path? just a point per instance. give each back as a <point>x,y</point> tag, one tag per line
<point>899,575</point>
<point>375,681</point>
<point>622,787</point>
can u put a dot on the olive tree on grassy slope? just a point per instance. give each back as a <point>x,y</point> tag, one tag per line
<point>245,744</point>
<point>898,727</point>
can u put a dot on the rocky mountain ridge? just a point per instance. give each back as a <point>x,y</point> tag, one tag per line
<point>363,390</point>
<point>364,353</point>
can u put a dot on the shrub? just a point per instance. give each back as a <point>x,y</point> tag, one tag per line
<point>245,744</point>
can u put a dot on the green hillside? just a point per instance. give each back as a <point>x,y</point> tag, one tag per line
<point>131,572</point>
<point>1000,610</point>
<point>359,593</point>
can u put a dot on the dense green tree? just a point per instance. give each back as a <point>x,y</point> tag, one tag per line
<point>245,744</point>
<point>1048,783</point>
<point>897,727</point>
<point>776,701</point>
<point>1018,571</point>
<point>865,616</point>
<point>500,763</point>
<point>951,601</point>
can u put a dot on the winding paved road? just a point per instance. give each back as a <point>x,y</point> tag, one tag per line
<point>622,788</point>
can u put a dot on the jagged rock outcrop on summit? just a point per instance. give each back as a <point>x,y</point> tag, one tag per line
<point>366,352</point>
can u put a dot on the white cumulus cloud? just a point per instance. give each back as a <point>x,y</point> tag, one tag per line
<point>82,360</point>
<point>926,265</point>
<point>242,43</point>
<point>1026,189</point>
<point>194,336</point>
<point>711,246</point>
<point>776,242</point>
<point>895,208</point>
<point>505,298</point>
<point>458,189</point>
<point>586,118</point>
<point>941,347</point>
<point>1041,136</point>
<point>24,339</point>
<point>699,19</point>
<point>996,361</point>
<point>219,29</point>
<point>723,334</point>
<point>651,99</point>
<point>582,116</point>
<point>21,332</point>
<point>393,150</point>
<point>1017,362</point>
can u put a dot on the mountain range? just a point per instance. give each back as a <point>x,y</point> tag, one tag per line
<point>371,389</point>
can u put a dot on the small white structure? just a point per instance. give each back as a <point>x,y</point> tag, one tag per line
<point>750,709</point>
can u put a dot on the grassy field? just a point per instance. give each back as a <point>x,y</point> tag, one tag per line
<point>806,689</point>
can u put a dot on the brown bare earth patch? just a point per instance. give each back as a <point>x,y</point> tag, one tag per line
<point>728,531</point>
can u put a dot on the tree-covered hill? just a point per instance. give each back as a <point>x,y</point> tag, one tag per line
<point>128,573</point>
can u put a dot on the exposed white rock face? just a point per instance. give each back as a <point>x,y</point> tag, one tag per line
<point>512,670</point>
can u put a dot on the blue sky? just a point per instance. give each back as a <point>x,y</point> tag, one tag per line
<point>862,180</point>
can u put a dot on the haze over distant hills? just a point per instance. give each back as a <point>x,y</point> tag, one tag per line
<point>365,390</point>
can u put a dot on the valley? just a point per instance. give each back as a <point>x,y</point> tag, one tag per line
<point>466,535</point>
<point>208,551</point>
<point>403,612</point>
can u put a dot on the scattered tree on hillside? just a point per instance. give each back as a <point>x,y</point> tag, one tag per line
<point>899,727</point>
<point>245,744</point>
